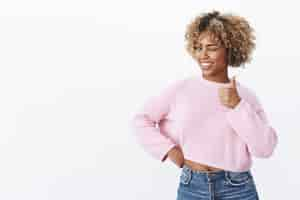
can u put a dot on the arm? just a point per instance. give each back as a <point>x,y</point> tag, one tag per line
<point>252,125</point>
<point>144,122</point>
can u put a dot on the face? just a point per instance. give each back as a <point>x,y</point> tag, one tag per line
<point>211,57</point>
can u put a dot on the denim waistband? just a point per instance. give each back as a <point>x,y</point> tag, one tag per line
<point>209,175</point>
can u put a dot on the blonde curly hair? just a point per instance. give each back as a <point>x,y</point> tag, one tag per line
<point>234,33</point>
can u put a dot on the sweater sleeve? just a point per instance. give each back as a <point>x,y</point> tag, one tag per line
<point>145,122</point>
<point>252,125</point>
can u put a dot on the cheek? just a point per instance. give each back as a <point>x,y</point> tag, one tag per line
<point>220,58</point>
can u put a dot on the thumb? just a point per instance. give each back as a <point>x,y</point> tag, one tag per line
<point>233,82</point>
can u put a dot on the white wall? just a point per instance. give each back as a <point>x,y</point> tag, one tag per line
<point>72,74</point>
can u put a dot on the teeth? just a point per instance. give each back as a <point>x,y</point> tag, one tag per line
<point>206,64</point>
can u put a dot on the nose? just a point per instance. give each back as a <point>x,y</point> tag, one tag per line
<point>203,54</point>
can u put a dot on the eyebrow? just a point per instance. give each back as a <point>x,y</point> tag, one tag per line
<point>210,44</point>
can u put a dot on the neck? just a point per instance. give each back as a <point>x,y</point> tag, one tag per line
<point>220,78</point>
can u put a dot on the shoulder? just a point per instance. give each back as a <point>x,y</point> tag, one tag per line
<point>175,85</point>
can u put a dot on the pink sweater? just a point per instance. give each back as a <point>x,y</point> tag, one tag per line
<point>188,113</point>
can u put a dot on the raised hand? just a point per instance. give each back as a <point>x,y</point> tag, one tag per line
<point>229,96</point>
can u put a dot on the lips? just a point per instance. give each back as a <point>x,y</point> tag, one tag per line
<point>205,65</point>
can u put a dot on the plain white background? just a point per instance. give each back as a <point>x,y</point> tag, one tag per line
<point>73,73</point>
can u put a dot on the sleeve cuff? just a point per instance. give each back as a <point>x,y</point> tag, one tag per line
<point>239,106</point>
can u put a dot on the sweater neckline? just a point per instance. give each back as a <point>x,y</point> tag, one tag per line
<point>211,83</point>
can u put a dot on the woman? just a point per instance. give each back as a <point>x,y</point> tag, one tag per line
<point>209,125</point>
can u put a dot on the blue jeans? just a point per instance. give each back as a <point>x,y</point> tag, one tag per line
<point>218,185</point>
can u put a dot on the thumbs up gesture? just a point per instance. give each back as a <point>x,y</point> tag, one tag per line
<point>229,96</point>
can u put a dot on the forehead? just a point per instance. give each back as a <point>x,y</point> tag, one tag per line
<point>207,38</point>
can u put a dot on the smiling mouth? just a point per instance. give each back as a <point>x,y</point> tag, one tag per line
<point>205,65</point>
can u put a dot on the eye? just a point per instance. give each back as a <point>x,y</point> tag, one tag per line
<point>210,48</point>
<point>197,48</point>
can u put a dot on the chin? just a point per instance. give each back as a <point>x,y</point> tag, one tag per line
<point>208,72</point>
